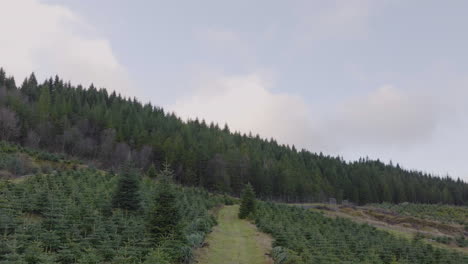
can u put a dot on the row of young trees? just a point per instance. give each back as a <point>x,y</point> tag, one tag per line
<point>87,216</point>
<point>110,130</point>
<point>303,237</point>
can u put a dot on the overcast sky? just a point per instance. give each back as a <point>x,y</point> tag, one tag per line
<point>384,79</point>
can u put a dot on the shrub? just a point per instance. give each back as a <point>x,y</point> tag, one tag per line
<point>158,256</point>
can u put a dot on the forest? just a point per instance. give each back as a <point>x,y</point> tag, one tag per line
<point>92,177</point>
<point>107,130</point>
<point>61,211</point>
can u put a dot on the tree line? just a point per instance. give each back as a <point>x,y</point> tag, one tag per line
<point>107,130</point>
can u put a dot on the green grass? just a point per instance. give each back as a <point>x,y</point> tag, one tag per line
<point>234,241</point>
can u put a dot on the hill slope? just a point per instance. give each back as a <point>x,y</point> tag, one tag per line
<point>68,217</point>
<point>107,130</point>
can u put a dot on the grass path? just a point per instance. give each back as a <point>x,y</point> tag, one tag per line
<point>234,241</point>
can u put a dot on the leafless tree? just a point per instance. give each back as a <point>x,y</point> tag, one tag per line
<point>107,144</point>
<point>32,139</point>
<point>71,137</point>
<point>86,147</point>
<point>9,128</point>
<point>143,157</point>
<point>46,134</point>
<point>122,154</point>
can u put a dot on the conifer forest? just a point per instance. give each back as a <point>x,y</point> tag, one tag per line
<point>90,176</point>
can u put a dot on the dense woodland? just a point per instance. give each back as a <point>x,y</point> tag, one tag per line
<point>108,130</point>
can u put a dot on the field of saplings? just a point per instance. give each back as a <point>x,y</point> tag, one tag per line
<point>303,237</point>
<point>438,212</point>
<point>88,216</point>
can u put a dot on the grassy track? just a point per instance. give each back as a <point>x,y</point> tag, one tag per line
<point>234,241</point>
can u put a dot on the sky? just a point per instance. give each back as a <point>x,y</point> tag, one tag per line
<point>386,79</point>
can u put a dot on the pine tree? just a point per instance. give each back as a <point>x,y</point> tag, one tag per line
<point>164,219</point>
<point>127,196</point>
<point>247,206</point>
<point>151,172</point>
<point>44,103</point>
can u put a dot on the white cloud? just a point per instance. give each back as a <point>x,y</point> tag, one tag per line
<point>51,39</point>
<point>385,117</point>
<point>247,105</point>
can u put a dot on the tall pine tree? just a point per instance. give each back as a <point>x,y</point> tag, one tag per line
<point>127,195</point>
<point>164,219</point>
<point>247,206</point>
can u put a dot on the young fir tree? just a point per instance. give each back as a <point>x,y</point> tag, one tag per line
<point>127,196</point>
<point>151,172</point>
<point>247,206</point>
<point>164,219</point>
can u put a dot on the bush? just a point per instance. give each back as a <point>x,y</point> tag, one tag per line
<point>158,256</point>
<point>195,239</point>
<point>285,256</point>
<point>228,200</point>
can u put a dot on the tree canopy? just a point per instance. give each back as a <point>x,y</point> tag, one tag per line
<point>108,130</point>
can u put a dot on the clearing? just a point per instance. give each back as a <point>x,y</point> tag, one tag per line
<point>234,241</point>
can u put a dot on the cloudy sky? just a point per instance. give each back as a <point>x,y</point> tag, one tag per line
<point>384,79</point>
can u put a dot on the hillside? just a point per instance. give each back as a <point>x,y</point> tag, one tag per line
<point>79,216</point>
<point>68,213</point>
<point>440,225</point>
<point>107,130</point>
<point>303,236</point>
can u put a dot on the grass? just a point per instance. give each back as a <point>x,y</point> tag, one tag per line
<point>234,241</point>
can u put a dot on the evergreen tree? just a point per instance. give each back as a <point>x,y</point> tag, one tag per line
<point>247,206</point>
<point>127,195</point>
<point>164,218</point>
<point>151,172</point>
<point>44,104</point>
<point>77,121</point>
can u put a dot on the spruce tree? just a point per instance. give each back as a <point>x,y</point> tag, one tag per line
<point>247,206</point>
<point>44,103</point>
<point>151,172</point>
<point>127,196</point>
<point>164,219</point>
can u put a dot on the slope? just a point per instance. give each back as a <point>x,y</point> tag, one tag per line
<point>234,241</point>
<point>107,130</point>
<point>67,217</point>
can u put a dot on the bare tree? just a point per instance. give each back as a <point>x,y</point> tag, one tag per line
<point>86,147</point>
<point>9,128</point>
<point>122,154</point>
<point>107,144</point>
<point>71,137</point>
<point>143,157</point>
<point>32,139</point>
<point>46,134</point>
